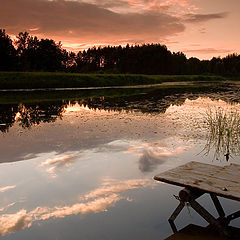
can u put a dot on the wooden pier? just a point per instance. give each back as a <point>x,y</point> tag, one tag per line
<point>198,179</point>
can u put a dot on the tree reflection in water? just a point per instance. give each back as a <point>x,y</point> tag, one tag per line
<point>146,101</point>
<point>29,114</point>
<point>7,116</point>
<point>223,135</point>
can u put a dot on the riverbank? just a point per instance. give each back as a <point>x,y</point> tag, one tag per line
<point>167,88</point>
<point>39,80</point>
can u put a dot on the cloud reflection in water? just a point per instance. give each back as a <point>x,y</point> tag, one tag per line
<point>95,201</point>
<point>150,159</point>
<point>156,153</point>
<point>59,162</point>
<point>4,189</point>
<point>150,154</point>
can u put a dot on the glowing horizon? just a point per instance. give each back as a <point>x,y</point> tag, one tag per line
<point>198,28</point>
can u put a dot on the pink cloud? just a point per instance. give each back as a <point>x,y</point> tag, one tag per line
<point>208,51</point>
<point>83,22</point>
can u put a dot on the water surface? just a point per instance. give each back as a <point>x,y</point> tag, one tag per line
<point>80,165</point>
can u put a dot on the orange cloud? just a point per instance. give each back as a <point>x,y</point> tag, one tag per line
<point>81,24</point>
<point>193,18</point>
<point>208,51</point>
<point>144,5</point>
<point>86,23</point>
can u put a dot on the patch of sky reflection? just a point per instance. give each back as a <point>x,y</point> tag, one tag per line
<point>93,169</point>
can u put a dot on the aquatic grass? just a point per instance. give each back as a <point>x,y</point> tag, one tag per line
<point>223,132</point>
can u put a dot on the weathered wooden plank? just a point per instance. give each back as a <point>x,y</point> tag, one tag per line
<point>223,181</point>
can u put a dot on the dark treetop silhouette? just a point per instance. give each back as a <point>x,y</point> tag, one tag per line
<point>29,53</point>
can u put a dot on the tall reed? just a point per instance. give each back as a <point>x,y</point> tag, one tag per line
<point>223,135</point>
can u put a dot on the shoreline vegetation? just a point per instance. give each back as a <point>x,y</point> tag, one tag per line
<point>51,95</point>
<point>51,80</point>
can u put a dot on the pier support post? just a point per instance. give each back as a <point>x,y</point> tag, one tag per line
<point>188,195</point>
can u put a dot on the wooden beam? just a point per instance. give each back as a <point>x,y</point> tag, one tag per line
<point>218,205</point>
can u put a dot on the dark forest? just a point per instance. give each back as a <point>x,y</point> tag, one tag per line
<point>28,53</point>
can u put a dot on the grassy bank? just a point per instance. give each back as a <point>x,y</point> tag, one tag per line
<point>35,80</point>
<point>12,97</point>
<point>52,96</point>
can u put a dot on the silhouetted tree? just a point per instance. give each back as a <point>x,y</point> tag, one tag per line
<point>7,52</point>
<point>49,55</point>
<point>26,50</point>
<point>39,55</point>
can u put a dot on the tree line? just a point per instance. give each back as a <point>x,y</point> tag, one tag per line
<point>28,53</point>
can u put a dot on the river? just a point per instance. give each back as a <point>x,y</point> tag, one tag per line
<point>80,164</point>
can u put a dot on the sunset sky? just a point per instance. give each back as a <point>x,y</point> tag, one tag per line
<point>201,28</point>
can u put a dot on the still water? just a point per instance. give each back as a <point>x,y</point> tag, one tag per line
<point>80,165</point>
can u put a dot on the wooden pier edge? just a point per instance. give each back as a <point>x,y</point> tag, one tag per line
<point>198,179</point>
